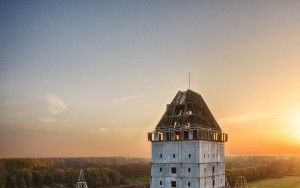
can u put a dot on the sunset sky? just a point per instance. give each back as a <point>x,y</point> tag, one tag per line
<point>91,78</point>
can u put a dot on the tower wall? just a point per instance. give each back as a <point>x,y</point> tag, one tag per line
<point>198,163</point>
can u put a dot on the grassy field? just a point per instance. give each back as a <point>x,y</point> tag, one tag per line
<point>286,182</point>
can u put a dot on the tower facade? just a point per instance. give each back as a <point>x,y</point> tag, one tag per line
<point>187,146</point>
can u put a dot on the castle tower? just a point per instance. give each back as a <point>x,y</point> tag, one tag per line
<point>187,146</point>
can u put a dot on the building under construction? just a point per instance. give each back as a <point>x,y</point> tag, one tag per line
<point>187,145</point>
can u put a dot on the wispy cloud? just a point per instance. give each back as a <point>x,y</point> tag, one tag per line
<point>46,119</point>
<point>115,130</point>
<point>246,117</point>
<point>54,106</point>
<point>130,97</point>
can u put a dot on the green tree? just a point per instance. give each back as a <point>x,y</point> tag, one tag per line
<point>11,181</point>
<point>21,183</point>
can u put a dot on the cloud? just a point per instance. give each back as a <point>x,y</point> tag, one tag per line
<point>246,117</point>
<point>115,130</point>
<point>130,97</point>
<point>55,104</point>
<point>47,119</point>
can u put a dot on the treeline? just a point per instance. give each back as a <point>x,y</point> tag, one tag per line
<point>112,171</point>
<point>260,167</point>
<point>63,172</point>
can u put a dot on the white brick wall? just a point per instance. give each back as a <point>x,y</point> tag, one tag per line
<point>188,155</point>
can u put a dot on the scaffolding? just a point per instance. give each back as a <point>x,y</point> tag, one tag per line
<point>187,117</point>
<point>187,110</point>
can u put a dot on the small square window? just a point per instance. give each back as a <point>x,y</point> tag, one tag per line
<point>173,170</point>
<point>173,183</point>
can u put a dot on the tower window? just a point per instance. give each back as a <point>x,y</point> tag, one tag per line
<point>186,135</point>
<point>173,183</point>
<point>173,155</point>
<point>160,182</point>
<point>160,169</point>
<point>195,134</point>
<point>168,136</point>
<point>213,182</point>
<point>160,155</point>
<point>213,169</point>
<point>189,184</point>
<point>189,169</point>
<point>173,170</point>
<point>189,155</point>
<point>204,155</point>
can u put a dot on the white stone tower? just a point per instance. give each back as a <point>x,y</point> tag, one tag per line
<point>187,146</point>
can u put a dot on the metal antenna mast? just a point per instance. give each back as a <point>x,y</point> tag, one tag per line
<point>189,80</point>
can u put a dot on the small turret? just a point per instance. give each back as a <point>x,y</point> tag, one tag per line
<point>81,181</point>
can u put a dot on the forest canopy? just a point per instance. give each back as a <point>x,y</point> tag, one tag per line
<point>112,171</point>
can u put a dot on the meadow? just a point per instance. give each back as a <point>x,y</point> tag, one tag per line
<point>284,182</point>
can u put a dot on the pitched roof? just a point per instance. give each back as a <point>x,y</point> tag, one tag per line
<point>188,110</point>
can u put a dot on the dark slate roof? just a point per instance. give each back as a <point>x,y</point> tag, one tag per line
<point>187,111</point>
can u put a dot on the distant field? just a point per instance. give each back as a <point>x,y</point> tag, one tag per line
<point>286,182</point>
